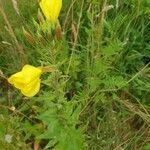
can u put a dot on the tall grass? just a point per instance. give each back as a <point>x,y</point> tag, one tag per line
<point>98,97</point>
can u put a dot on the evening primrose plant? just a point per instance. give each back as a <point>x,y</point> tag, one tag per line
<point>48,24</point>
<point>50,9</point>
<point>27,80</point>
<point>93,91</point>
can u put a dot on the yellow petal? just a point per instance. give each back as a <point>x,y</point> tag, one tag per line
<point>27,80</point>
<point>51,9</point>
<point>32,88</point>
<point>17,80</point>
<point>30,73</point>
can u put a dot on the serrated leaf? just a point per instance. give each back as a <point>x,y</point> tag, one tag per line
<point>71,140</point>
<point>112,49</point>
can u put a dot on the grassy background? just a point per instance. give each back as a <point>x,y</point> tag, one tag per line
<point>99,97</point>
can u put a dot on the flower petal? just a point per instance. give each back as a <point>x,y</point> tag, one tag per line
<point>17,80</point>
<point>31,73</point>
<point>51,9</point>
<point>32,88</point>
<point>27,80</point>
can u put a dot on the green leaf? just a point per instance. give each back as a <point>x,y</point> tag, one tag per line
<point>2,129</point>
<point>72,139</point>
<point>112,49</point>
<point>146,147</point>
<point>114,82</point>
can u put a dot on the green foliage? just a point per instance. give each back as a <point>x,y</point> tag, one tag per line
<point>146,147</point>
<point>98,96</point>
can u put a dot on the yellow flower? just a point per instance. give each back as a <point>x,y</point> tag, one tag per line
<point>51,9</point>
<point>27,80</point>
